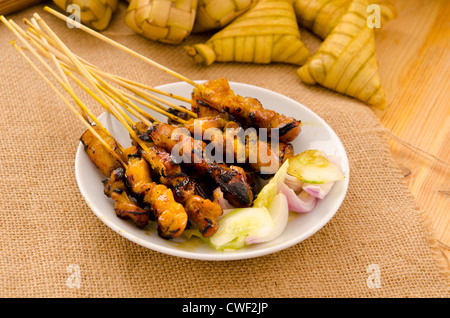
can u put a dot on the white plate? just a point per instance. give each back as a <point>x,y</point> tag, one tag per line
<point>316,134</point>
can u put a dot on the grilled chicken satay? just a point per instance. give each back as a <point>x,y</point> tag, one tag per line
<point>116,189</point>
<point>202,212</point>
<point>114,185</point>
<point>98,154</point>
<point>231,179</point>
<point>259,155</point>
<point>171,216</point>
<point>264,159</point>
<point>202,109</point>
<point>218,95</point>
<point>159,199</point>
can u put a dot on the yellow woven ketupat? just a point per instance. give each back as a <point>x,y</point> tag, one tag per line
<point>94,13</point>
<point>267,33</point>
<point>168,21</point>
<point>215,14</point>
<point>321,16</point>
<point>346,62</point>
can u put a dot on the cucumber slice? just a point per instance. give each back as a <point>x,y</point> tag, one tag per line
<point>311,166</point>
<point>237,225</point>
<point>279,212</point>
<point>266,195</point>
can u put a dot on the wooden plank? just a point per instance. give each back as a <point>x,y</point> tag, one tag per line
<point>414,56</point>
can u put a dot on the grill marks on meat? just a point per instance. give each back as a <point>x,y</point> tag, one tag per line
<point>115,188</point>
<point>98,154</point>
<point>158,200</point>
<point>231,180</point>
<point>202,212</point>
<point>114,184</point>
<point>171,216</point>
<point>259,155</point>
<point>248,111</point>
<point>203,109</point>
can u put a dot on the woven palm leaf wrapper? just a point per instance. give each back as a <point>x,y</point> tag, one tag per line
<point>215,14</point>
<point>346,61</point>
<point>167,21</point>
<point>267,33</point>
<point>94,13</point>
<point>321,16</point>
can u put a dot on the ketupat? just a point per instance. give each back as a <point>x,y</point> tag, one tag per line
<point>267,33</point>
<point>215,14</point>
<point>94,13</point>
<point>167,21</point>
<point>321,16</point>
<point>346,62</point>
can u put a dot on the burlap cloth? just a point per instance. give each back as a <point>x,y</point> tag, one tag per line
<point>46,225</point>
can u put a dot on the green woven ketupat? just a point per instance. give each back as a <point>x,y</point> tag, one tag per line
<point>94,13</point>
<point>321,16</point>
<point>168,21</point>
<point>215,14</point>
<point>266,33</point>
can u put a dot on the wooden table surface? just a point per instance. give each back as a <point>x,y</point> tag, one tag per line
<point>414,56</point>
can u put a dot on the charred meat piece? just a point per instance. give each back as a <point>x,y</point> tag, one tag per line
<point>248,111</point>
<point>232,181</point>
<point>171,216</point>
<point>202,109</point>
<point>247,148</point>
<point>98,154</point>
<point>179,114</point>
<point>204,213</point>
<point>115,188</point>
<point>201,212</point>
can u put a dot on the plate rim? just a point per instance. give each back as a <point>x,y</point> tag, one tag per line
<point>221,256</point>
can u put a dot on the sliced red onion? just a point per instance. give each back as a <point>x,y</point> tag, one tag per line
<point>319,191</point>
<point>224,204</point>
<point>303,202</point>
<point>293,182</point>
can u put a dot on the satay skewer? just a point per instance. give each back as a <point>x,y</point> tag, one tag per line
<point>247,111</point>
<point>170,227</point>
<point>50,45</point>
<point>139,89</point>
<point>71,107</point>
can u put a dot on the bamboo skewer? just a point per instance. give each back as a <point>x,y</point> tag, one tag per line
<point>135,87</point>
<point>13,27</point>
<point>130,107</point>
<point>145,117</point>
<point>60,70</point>
<point>88,90</point>
<point>115,111</point>
<point>73,109</point>
<point>48,44</point>
<point>84,72</point>
<point>120,46</point>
